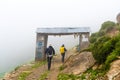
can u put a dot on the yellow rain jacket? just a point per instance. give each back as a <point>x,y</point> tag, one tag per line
<point>62,50</point>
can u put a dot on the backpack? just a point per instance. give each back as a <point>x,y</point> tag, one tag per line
<point>62,50</point>
<point>49,52</point>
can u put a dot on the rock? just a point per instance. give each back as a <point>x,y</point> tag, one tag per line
<point>75,49</point>
<point>79,63</point>
<point>95,67</point>
<point>84,45</point>
<point>114,72</point>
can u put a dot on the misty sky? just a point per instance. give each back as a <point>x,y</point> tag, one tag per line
<point>20,18</point>
<point>44,13</point>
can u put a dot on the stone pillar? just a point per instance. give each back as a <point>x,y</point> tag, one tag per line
<point>80,41</point>
<point>87,36</point>
<point>45,45</point>
<point>40,47</point>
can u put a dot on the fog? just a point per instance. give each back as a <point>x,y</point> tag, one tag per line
<point>68,40</point>
<point>19,20</point>
<point>18,46</point>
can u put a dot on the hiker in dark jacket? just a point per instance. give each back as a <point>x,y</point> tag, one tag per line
<point>49,53</point>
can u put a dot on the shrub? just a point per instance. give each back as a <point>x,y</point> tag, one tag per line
<point>101,49</point>
<point>109,29</point>
<point>23,75</point>
<point>107,25</point>
<point>44,75</point>
<point>38,64</point>
<point>111,58</point>
<point>63,76</point>
<point>94,74</point>
<point>114,54</point>
<point>62,67</point>
<point>93,37</point>
<point>106,49</point>
<point>118,27</point>
<point>17,68</point>
<point>83,77</point>
<point>101,33</point>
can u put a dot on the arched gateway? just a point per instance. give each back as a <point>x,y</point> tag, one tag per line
<point>43,33</point>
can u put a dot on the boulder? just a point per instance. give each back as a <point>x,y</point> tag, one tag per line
<point>79,63</point>
<point>114,72</point>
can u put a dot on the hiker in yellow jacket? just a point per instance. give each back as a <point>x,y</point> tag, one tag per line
<point>62,51</point>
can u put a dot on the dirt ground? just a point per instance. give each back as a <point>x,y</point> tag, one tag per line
<point>54,71</point>
<point>37,72</point>
<point>52,75</point>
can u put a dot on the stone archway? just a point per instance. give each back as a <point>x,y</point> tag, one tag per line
<point>43,33</point>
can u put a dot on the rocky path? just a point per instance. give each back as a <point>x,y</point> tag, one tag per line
<point>53,73</point>
<point>37,72</point>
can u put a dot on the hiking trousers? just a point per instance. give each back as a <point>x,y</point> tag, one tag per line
<point>49,59</point>
<point>63,57</point>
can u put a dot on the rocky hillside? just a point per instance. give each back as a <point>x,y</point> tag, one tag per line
<point>114,72</point>
<point>38,70</point>
<point>77,66</point>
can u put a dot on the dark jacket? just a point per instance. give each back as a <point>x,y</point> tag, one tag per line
<point>50,51</point>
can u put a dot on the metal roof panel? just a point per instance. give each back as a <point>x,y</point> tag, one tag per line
<point>63,30</point>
